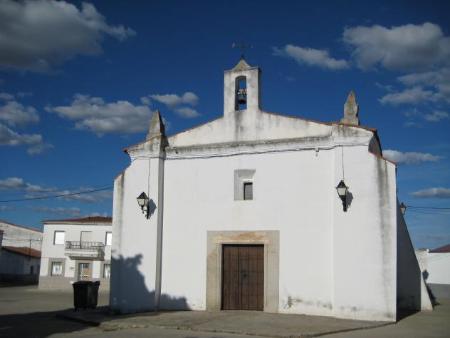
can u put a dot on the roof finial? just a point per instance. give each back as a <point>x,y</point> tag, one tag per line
<point>156,126</point>
<point>242,46</point>
<point>351,109</point>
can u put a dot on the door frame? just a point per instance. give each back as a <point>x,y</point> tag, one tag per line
<point>215,242</point>
<point>77,269</point>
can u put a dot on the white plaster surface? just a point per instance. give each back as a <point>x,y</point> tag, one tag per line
<point>18,236</point>
<point>436,264</point>
<point>331,262</point>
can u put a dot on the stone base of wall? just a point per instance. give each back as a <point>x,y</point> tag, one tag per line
<point>65,283</point>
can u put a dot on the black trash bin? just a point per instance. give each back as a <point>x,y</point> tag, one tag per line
<point>85,294</point>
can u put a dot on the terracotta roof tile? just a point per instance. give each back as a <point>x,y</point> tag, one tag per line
<point>442,249</point>
<point>91,219</point>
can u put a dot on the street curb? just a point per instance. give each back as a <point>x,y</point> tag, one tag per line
<point>77,319</point>
<point>110,326</point>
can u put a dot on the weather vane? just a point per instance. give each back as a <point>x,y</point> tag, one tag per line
<point>242,46</point>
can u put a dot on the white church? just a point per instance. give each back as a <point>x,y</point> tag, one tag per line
<point>261,211</point>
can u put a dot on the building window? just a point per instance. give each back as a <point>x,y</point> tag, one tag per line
<point>244,180</point>
<point>241,93</point>
<point>108,240</point>
<point>106,270</point>
<point>248,190</point>
<point>86,236</point>
<point>57,268</point>
<point>59,237</point>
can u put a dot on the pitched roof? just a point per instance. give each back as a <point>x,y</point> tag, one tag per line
<point>241,65</point>
<point>91,219</point>
<point>24,251</point>
<point>442,249</point>
<point>20,226</point>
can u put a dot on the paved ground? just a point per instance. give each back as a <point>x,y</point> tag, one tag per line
<point>27,312</point>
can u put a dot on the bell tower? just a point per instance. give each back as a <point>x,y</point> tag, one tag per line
<point>242,88</point>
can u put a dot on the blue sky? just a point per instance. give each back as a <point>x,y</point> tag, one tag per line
<point>78,83</point>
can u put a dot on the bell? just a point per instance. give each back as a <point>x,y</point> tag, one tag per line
<point>242,96</point>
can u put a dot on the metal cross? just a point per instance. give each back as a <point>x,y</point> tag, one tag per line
<point>242,46</point>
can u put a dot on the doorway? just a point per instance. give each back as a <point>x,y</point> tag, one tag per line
<point>84,271</point>
<point>242,277</point>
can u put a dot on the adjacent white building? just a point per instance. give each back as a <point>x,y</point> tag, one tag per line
<point>76,249</point>
<point>20,253</point>
<point>435,266</point>
<point>243,213</point>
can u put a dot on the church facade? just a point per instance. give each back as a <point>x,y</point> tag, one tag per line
<point>260,211</point>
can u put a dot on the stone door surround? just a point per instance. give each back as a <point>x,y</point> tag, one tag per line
<point>216,239</point>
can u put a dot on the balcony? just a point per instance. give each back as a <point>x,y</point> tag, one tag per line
<point>85,250</point>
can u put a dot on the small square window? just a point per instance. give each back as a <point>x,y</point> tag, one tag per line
<point>59,237</point>
<point>57,268</point>
<point>248,190</point>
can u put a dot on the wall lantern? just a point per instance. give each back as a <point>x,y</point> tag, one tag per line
<point>143,203</point>
<point>403,208</point>
<point>342,190</point>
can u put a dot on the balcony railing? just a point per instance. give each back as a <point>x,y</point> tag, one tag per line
<point>82,249</point>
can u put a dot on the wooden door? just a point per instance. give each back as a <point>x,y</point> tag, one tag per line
<point>243,277</point>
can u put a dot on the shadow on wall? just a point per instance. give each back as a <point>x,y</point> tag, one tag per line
<point>425,275</point>
<point>129,292</point>
<point>349,199</point>
<point>409,276</point>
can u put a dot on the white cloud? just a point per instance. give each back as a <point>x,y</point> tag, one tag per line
<point>145,100</point>
<point>187,112</point>
<point>311,57</point>
<point>12,183</point>
<point>173,100</point>
<point>6,96</point>
<point>24,94</point>
<point>14,113</point>
<point>408,96</point>
<point>408,47</point>
<point>432,193</point>
<point>19,184</point>
<point>34,142</point>
<point>58,211</point>
<point>34,190</point>
<point>436,116</point>
<point>438,80</point>
<point>409,157</point>
<point>93,197</point>
<point>410,124</point>
<point>100,117</point>
<point>39,34</point>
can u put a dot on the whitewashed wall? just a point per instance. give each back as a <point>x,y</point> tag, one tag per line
<point>331,262</point>
<point>436,264</point>
<point>18,236</point>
